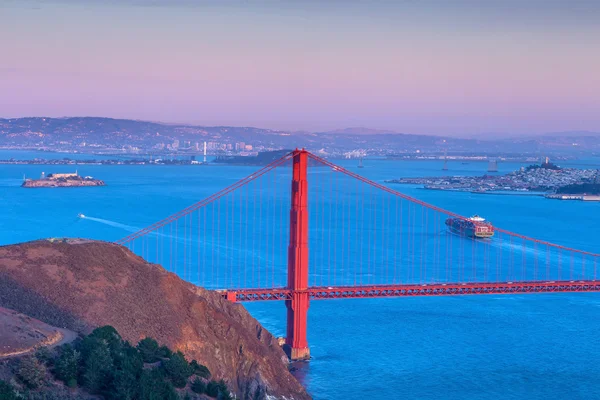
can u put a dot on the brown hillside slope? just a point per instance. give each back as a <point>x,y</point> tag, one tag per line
<point>21,334</point>
<point>81,285</point>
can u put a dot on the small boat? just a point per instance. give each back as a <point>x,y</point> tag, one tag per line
<point>80,215</point>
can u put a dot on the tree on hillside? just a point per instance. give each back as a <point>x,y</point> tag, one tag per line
<point>224,393</point>
<point>178,369</point>
<point>7,392</point>
<point>128,370</point>
<point>218,390</point>
<point>31,372</point>
<point>198,386</point>
<point>66,366</point>
<point>98,365</point>
<point>110,335</point>
<point>149,350</point>
<point>124,386</point>
<point>200,370</point>
<point>165,352</point>
<point>154,387</point>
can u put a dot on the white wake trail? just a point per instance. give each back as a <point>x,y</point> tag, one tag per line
<point>114,224</point>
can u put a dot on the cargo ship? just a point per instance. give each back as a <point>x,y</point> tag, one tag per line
<point>474,227</point>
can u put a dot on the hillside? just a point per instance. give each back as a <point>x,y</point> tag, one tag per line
<point>103,365</point>
<point>81,285</point>
<point>108,135</point>
<point>20,334</point>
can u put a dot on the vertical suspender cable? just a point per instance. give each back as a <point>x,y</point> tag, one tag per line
<point>260,219</point>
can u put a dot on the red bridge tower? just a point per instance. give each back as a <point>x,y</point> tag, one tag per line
<point>297,308</point>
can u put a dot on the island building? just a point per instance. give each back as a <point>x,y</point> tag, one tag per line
<point>62,176</point>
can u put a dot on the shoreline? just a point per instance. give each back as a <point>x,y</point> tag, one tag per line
<point>551,196</point>
<point>500,193</point>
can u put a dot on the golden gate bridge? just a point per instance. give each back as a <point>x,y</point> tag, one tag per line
<point>338,235</point>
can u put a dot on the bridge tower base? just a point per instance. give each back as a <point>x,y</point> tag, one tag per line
<point>296,345</point>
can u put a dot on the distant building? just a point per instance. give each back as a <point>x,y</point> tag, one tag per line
<point>548,165</point>
<point>67,175</point>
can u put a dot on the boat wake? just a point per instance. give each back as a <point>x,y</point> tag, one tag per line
<point>114,224</point>
<point>208,243</point>
<point>519,248</point>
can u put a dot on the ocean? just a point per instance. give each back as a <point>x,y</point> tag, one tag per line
<point>511,346</point>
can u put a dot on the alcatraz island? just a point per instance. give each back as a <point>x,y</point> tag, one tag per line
<point>61,180</point>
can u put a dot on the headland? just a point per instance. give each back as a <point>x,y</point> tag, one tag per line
<point>80,285</point>
<point>547,180</point>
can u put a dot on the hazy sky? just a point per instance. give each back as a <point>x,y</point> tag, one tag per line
<point>417,66</point>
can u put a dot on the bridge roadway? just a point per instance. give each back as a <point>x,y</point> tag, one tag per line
<point>437,289</point>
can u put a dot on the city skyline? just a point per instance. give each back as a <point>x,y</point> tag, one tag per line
<point>454,68</point>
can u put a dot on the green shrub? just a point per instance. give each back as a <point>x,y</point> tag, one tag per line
<point>7,392</point>
<point>178,369</point>
<point>223,391</point>
<point>44,355</point>
<point>66,366</point>
<point>104,364</point>
<point>31,372</point>
<point>124,386</point>
<point>130,360</point>
<point>212,389</point>
<point>109,335</point>
<point>198,386</point>
<point>53,394</point>
<point>149,350</point>
<point>98,365</point>
<point>218,390</point>
<point>154,387</point>
<point>200,369</point>
<point>72,383</point>
<point>165,352</point>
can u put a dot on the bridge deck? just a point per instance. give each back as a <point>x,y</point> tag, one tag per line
<point>439,289</point>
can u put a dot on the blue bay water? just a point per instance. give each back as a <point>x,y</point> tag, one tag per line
<point>526,346</point>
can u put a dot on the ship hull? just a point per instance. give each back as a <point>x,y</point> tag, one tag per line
<point>468,229</point>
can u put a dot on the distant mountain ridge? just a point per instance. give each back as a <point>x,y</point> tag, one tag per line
<point>99,134</point>
<point>362,131</point>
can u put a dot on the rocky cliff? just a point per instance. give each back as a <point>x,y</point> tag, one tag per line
<point>80,285</point>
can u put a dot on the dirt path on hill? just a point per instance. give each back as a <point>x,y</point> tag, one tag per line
<point>21,334</point>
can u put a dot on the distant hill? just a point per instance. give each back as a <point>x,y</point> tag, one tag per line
<point>360,131</point>
<point>571,134</point>
<point>97,134</point>
<point>82,285</point>
<point>115,133</point>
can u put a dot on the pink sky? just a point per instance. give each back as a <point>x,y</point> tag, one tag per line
<point>431,67</point>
